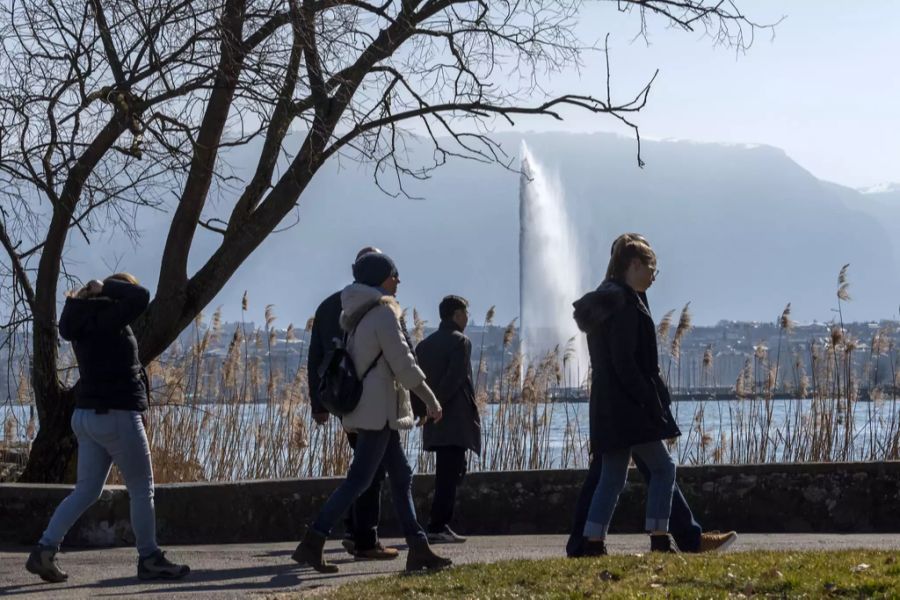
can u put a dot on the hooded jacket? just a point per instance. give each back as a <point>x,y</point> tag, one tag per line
<point>110,374</point>
<point>372,321</point>
<point>629,401</point>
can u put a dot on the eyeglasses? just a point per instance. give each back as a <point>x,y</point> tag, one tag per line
<point>654,271</point>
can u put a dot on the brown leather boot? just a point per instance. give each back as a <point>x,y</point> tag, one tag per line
<point>310,551</point>
<point>420,557</point>
<point>379,552</point>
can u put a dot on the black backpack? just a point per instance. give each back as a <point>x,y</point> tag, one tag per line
<point>339,387</point>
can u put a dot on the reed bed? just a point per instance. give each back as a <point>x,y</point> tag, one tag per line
<point>240,410</point>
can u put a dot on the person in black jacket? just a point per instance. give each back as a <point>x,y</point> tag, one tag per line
<point>108,421</point>
<point>361,523</point>
<point>629,405</point>
<point>445,357</point>
<point>687,533</point>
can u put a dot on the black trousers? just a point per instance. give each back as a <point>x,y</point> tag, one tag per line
<point>449,470</point>
<point>361,522</point>
<point>684,528</point>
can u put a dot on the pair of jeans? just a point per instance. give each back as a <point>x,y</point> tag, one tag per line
<point>374,448</point>
<point>116,436</point>
<point>684,528</point>
<point>361,522</point>
<point>612,482</point>
<point>449,470</point>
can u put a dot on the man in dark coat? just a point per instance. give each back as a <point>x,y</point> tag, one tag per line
<point>361,523</point>
<point>445,357</point>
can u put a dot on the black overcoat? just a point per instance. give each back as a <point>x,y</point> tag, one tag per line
<point>629,401</point>
<point>326,328</point>
<point>445,358</point>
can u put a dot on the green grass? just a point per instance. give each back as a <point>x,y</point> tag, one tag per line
<point>845,574</point>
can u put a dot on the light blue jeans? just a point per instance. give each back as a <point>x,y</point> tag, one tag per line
<point>612,481</point>
<point>117,436</point>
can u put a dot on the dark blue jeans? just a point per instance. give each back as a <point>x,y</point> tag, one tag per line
<point>361,522</point>
<point>374,448</point>
<point>684,528</point>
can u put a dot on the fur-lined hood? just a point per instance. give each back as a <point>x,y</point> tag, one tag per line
<point>596,307</point>
<point>358,298</point>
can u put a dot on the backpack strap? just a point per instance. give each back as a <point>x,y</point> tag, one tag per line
<point>372,366</point>
<point>347,339</point>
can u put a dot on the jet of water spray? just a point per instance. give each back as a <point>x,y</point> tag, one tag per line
<point>550,272</point>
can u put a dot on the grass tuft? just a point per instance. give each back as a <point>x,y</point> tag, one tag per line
<point>844,574</point>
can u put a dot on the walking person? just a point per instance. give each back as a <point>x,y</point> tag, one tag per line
<point>361,522</point>
<point>629,405</point>
<point>108,421</point>
<point>686,532</point>
<point>445,357</point>
<point>382,354</point>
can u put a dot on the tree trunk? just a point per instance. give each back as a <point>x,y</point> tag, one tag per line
<point>54,455</point>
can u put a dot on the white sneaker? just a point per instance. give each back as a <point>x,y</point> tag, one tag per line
<point>447,536</point>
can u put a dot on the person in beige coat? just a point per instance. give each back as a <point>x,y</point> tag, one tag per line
<point>376,338</point>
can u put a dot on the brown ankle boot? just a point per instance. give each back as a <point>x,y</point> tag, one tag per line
<point>420,557</point>
<point>310,551</point>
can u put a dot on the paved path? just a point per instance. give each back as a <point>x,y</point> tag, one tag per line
<point>241,571</point>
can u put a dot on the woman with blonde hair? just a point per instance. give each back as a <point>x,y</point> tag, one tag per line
<point>687,533</point>
<point>110,402</point>
<point>629,405</point>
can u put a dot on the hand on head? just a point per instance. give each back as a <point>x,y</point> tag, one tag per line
<point>91,290</point>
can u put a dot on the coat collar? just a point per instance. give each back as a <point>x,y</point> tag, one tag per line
<point>449,325</point>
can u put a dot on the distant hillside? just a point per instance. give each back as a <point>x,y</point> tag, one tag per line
<point>740,231</point>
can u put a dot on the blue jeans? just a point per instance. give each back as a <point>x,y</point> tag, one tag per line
<point>374,448</point>
<point>361,521</point>
<point>612,482</point>
<point>682,524</point>
<point>116,436</point>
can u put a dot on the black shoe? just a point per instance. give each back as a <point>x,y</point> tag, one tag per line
<point>310,551</point>
<point>42,562</point>
<point>157,566</point>
<point>593,547</point>
<point>349,545</point>
<point>420,556</point>
<point>662,543</point>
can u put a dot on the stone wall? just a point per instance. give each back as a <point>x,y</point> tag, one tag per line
<point>847,497</point>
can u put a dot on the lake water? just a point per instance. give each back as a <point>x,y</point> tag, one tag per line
<point>555,435</point>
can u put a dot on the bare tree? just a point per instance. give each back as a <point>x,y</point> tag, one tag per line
<point>109,107</point>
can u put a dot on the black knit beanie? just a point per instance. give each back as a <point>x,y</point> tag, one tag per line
<point>373,268</point>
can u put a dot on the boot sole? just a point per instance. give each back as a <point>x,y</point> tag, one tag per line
<point>43,574</point>
<point>725,546</point>
<point>417,568</point>
<point>302,560</point>
<point>377,558</point>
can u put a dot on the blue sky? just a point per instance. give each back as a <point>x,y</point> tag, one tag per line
<point>825,89</point>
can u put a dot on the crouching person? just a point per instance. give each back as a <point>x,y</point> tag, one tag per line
<point>383,358</point>
<point>108,421</point>
<point>445,357</point>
